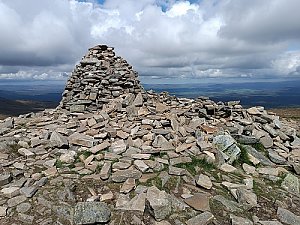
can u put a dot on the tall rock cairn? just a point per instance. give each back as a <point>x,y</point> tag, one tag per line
<point>99,77</point>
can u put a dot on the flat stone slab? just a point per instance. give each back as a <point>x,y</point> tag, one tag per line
<point>123,175</point>
<point>5,179</point>
<point>91,212</point>
<point>287,217</point>
<point>201,219</point>
<point>199,201</point>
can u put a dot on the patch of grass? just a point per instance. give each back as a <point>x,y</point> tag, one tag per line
<point>243,157</point>
<point>191,167</point>
<point>259,147</point>
<point>98,168</point>
<point>59,164</point>
<point>14,149</point>
<point>171,183</point>
<point>86,154</point>
<point>156,181</point>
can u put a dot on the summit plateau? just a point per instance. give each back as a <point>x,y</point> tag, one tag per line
<point>113,153</point>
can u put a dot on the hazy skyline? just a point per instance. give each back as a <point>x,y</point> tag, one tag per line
<point>162,39</point>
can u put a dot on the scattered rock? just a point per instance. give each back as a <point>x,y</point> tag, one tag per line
<point>158,203</point>
<point>285,216</point>
<point>91,212</point>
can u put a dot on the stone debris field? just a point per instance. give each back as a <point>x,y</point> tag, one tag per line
<point>113,153</point>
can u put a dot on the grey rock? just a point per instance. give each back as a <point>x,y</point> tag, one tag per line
<point>223,142</point>
<point>28,191</point>
<point>204,181</point>
<point>118,147</point>
<point>137,203</point>
<point>199,201</point>
<point>12,202</point>
<point>291,183</point>
<point>25,218</point>
<point>105,171</point>
<point>230,205</point>
<point>91,212</point>
<point>236,220</point>
<point>57,140</point>
<point>201,219</point>
<point>158,203</point>
<point>274,157</point>
<point>3,211</point>
<point>10,191</point>
<point>263,159</point>
<point>5,179</point>
<point>270,223</point>
<point>266,141</point>
<point>243,139</point>
<point>81,139</point>
<point>123,175</point>
<point>23,207</point>
<point>286,216</point>
<point>246,197</point>
<point>176,171</point>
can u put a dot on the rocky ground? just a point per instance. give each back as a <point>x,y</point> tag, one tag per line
<point>137,157</point>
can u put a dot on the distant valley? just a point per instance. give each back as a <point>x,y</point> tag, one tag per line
<point>20,97</point>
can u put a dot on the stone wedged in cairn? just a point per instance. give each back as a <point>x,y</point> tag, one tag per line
<point>99,77</point>
<point>137,157</point>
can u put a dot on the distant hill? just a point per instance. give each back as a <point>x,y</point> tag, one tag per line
<point>17,107</point>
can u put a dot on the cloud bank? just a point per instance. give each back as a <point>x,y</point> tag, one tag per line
<point>162,39</point>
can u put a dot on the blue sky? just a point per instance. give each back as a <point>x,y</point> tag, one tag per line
<point>163,40</point>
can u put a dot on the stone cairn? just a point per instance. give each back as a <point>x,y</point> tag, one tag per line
<point>112,153</point>
<point>99,77</point>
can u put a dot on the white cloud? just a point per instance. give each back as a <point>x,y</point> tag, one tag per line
<point>161,38</point>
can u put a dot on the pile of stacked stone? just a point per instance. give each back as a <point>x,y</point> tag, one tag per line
<point>148,158</point>
<point>99,77</point>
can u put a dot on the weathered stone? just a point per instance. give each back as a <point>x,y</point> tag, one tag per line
<point>135,204</point>
<point>268,171</point>
<point>270,223</point>
<point>81,139</point>
<point>141,165</point>
<point>5,179</point>
<point>204,181</point>
<point>291,183</point>
<point>99,147</point>
<point>23,207</point>
<point>246,197</point>
<point>179,160</point>
<point>57,140</point>
<point>28,219</point>
<point>91,212</point>
<point>230,205</point>
<point>227,168</point>
<point>266,141</point>
<point>105,171</point>
<point>3,211</point>
<point>287,217</point>
<point>201,219</point>
<point>223,142</point>
<point>118,147</point>
<point>68,157</point>
<point>12,202</point>
<point>236,220</point>
<point>158,203</point>
<point>199,201</point>
<point>25,152</point>
<point>123,175</point>
<point>128,185</point>
<point>10,191</point>
<point>28,191</point>
<point>176,171</point>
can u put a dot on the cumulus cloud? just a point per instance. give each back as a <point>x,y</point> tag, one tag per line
<point>162,39</point>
